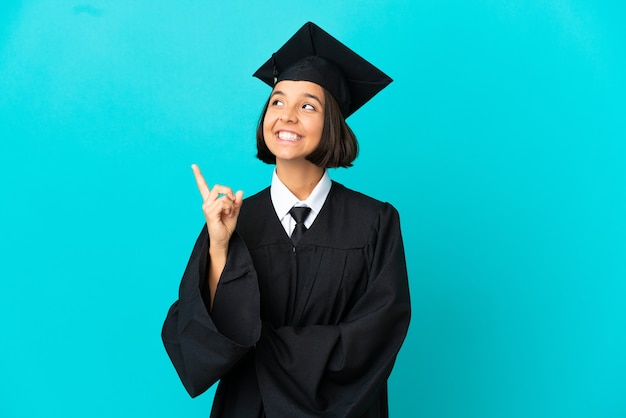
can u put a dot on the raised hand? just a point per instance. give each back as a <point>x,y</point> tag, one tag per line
<point>221,208</point>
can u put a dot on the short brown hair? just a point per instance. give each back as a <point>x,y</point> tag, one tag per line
<point>338,146</point>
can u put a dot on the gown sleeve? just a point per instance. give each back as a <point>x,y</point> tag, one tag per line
<point>342,370</point>
<point>203,346</point>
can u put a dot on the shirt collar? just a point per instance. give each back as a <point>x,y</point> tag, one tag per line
<point>283,200</point>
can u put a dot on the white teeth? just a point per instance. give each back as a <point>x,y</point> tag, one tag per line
<point>288,136</point>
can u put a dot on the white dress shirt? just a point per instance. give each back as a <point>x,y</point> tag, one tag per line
<point>283,200</point>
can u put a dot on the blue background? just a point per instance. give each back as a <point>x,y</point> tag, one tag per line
<point>501,142</point>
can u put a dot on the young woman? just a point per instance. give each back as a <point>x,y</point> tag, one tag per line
<point>296,299</point>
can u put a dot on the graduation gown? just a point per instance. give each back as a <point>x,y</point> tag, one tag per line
<point>305,331</point>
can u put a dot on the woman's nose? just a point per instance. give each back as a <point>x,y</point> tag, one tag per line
<point>288,114</point>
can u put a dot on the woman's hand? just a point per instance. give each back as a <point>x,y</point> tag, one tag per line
<point>221,208</point>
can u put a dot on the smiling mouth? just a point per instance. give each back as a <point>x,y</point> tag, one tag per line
<point>288,136</point>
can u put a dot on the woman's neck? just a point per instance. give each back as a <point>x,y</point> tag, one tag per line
<point>301,178</point>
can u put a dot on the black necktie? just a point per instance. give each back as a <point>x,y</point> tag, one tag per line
<point>299,214</point>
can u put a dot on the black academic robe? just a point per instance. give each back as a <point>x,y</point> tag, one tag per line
<point>310,331</point>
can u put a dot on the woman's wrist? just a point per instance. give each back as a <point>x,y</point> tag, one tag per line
<point>218,252</point>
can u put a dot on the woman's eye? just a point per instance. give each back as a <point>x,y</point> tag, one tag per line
<point>276,102</point>
<point>308,107</point>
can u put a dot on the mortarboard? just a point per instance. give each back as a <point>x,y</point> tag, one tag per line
<point>311,54</point>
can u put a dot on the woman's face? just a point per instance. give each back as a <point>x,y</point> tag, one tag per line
<point>294,121</point>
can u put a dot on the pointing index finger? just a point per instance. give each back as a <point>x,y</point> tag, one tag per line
<point>202,186</point>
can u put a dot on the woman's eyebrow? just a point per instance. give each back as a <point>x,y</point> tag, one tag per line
<point>309,95</point>
<point>312,96</point>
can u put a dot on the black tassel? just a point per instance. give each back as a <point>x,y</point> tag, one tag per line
<point>275,68</point>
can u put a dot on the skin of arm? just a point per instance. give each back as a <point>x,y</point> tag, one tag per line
<point>216,266</point>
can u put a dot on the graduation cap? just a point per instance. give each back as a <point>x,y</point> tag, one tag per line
<point>311,54</point>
